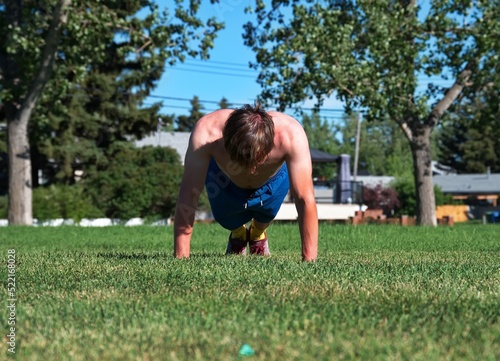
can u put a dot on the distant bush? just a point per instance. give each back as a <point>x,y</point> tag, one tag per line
<point>4,207</point>
<point>137,182</point>
<point>406,195</point>
<point>405,187</point>
<point>58,201</point>
<point>63,201</point>
<point>379,197</point>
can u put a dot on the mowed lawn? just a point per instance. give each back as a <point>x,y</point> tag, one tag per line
<point>375,293</point>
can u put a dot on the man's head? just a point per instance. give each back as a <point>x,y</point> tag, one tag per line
<point>249,135</point>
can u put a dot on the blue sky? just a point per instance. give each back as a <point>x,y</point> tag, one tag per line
<point>226,74</point>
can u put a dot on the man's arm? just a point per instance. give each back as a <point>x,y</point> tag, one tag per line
<point>301,184</point>
<point>195,167</point>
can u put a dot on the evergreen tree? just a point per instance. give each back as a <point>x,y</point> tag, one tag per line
<point>186,123</point>
<point>321,135</point>
<point>224,103</point>
<point>469,138</point>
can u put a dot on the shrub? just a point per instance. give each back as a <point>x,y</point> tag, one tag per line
<point>379,197</point>
<point>4,207</point>
<point>137,182</point>
<point>406,195</point>
<point>63,201</point>
<point>405,188</point>
<point>58,201</point>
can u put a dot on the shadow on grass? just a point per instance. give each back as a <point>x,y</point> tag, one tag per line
<point>157,255</point>
<point>207,255</point>
<point>133,256</point>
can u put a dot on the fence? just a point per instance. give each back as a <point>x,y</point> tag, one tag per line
<point>348,192</point>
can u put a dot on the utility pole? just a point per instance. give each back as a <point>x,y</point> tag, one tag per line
<point>356,151</point>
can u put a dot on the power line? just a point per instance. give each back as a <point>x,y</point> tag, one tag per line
<point>213,72</point>
<point>218,62</point>
<point>220,66</point>
<point>423,79</point>
<point>338,110</point>
<point>186,99</point>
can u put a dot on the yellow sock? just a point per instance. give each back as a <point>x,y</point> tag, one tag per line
<point>256,234</point>
<point>240,233</point>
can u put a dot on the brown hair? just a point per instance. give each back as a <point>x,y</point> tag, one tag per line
<point>249,135</point>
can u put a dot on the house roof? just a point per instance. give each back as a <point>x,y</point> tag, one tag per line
<point>469,183</point>
<point>449,183</point>
<point>372,180</point>
<point>318,156</point>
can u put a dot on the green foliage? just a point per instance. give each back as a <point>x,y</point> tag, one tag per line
<point>78,117</point>
<point>469,138</point>
<point>373,54</point>
<point>4,170</point>
<point>187,123</point>
<point>4,207</point>
<point>137,182</point>
<point>108,58</point>
<point>375,293</point>
<point>399,161</point>
<point>63,201</point>
<point>321,135</point>
<point>405,187</point>
<point>224,103</point>
<point>442,198</point>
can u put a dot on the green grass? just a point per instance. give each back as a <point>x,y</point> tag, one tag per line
<point>375,293</point>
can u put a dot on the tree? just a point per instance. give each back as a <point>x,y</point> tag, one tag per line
<point>372,53</point>
<point>405,190</point>
<point>224,103</point>
<point>321,135</point>
<point>20,102</point>
<point>469,138</point>
<point>73,35</point>
<point>104,109</point>
<point>186,123</point>
<point>374,145</point>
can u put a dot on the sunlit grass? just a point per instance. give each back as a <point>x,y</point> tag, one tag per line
<point>375,293</point>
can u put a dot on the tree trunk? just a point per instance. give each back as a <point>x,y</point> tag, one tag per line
<point>20,187</point>
<point>422,170</point>
<point>19,113</point>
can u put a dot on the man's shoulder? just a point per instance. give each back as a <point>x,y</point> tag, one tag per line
<point>212,123</point>
<point>286,125</point>
<point>208,130</point>
<point>219,114</point>
<point>290,137</point>
<point>284,120</point>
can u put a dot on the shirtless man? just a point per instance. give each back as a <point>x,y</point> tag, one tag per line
<point>247,159</point>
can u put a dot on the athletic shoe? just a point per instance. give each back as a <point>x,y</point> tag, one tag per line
<point>236,246</point>
<point>260,247</point>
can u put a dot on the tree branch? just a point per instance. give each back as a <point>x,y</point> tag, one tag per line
<point>451,95</point>
<point>406,130</point>
<point>48,58</point>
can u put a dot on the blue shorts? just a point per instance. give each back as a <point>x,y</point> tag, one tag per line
<point>233,206</point>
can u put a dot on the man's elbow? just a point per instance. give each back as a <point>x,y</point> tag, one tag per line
<point>305,201</point>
